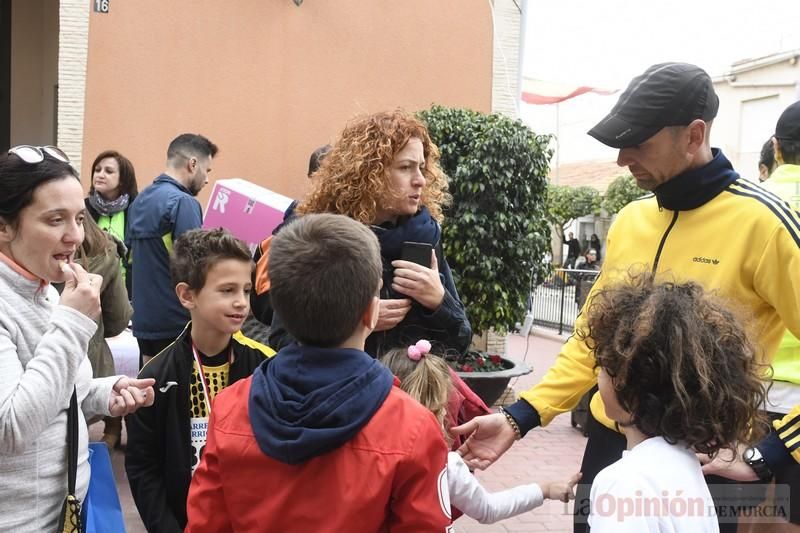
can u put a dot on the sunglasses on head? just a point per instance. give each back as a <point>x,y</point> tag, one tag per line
<point>36,154</point>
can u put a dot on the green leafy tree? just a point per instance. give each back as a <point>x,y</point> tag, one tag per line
<point>565,204</point>
<point>495,232</point>
<point>622,191</point>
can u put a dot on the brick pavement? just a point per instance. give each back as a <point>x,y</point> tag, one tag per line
<point>551,452</point>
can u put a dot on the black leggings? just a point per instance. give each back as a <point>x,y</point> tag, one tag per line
<point>604,447</point>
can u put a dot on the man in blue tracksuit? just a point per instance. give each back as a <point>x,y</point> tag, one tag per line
<point>160,214</point>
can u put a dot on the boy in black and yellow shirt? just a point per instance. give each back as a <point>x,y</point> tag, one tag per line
<point>211,272</point>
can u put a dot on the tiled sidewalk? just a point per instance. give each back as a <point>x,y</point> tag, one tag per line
<point>553,452</point>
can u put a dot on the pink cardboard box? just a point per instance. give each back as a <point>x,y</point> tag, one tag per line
<point>247,210</point>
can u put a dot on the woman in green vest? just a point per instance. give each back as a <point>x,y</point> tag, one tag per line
<point>113,189</point>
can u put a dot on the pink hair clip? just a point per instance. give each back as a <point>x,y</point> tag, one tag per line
<point>416,352</point>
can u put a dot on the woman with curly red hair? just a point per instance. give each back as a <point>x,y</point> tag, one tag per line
<point>384,171</point>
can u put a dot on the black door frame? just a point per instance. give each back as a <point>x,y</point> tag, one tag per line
<point>5,74</point>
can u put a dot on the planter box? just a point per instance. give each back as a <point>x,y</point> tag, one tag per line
<point>489,386</point>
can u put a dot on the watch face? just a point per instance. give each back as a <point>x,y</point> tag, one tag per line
<point>748,454</point>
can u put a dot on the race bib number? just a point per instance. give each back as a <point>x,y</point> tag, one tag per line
<point>198,431</point>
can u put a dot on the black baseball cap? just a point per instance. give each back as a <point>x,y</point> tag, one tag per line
<point>667,94</point>
<point>788,127</point>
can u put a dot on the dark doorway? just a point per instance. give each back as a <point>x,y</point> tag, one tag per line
<point>5,75</point>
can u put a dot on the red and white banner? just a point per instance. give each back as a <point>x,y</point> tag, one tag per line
<point>540,92</point>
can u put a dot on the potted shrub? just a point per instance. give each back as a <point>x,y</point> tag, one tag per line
<point>495,232</point>
<point>486,374</point>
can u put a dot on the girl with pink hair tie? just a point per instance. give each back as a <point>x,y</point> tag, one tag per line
<point>426,377</point>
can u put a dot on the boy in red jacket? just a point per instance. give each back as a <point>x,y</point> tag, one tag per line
<point>321,439</point>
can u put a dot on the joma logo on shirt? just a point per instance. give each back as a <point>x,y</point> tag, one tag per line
<point>705,260</point>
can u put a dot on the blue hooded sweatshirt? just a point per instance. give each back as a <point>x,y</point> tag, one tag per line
<point>308,401</point>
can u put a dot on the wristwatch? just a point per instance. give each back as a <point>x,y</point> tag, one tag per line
<point>753,458</point>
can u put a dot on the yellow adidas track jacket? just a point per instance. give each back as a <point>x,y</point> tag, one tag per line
<point>707,225</point>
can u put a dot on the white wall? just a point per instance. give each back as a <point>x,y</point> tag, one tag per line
<point>749,108</point>
<point>507,25</point>
<point>73,43</point>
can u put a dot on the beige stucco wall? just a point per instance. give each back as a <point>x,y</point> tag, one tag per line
<point>34,68</point>
<point>269,81</point>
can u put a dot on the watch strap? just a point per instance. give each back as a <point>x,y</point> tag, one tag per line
<point>758,464</point>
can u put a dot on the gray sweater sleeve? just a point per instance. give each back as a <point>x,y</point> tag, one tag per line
<point>96,402</point>
<point>31,397</point>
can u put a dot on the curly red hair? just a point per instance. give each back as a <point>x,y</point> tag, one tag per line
<point>353,178</point>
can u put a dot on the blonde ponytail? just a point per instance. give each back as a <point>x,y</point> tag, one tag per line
<point>427,381</point>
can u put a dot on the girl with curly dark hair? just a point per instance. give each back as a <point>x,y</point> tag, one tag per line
<point>383,171</point>
<point>678,374</point>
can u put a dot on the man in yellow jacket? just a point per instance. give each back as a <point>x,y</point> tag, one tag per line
<point>780,451</point>
<point>702,223</point>
<point>785,183</point>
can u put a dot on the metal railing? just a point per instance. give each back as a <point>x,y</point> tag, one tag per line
<point>557,302</point>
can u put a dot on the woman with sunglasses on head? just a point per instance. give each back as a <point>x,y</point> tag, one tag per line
<point>44,339</point>
<point>112,191</point>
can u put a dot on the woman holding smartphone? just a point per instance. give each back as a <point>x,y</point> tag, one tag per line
<point>384,171</point>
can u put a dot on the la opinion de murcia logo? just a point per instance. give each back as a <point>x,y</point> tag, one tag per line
<point>705,260</point>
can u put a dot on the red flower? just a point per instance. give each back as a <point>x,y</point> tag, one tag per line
<point>466,368</point>
<point>495,359</point>
<point>481,361</point>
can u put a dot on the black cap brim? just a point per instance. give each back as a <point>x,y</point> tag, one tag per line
<point>617,133</point>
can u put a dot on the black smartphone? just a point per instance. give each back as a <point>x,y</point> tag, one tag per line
<point>417,252</point>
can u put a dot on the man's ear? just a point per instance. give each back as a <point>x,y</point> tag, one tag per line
<point>697,135</point>
<point>186,295</point>
<point>776,150</point>
<point>370,316</point>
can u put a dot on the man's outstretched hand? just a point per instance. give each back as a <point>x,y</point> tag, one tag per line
<point>490,436</point>
<point>728,464</point>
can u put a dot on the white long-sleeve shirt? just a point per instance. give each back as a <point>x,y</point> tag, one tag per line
<point>656,487</point>
<point>469,496</point>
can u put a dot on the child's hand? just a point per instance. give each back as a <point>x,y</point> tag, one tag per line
<point>557,490</point>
